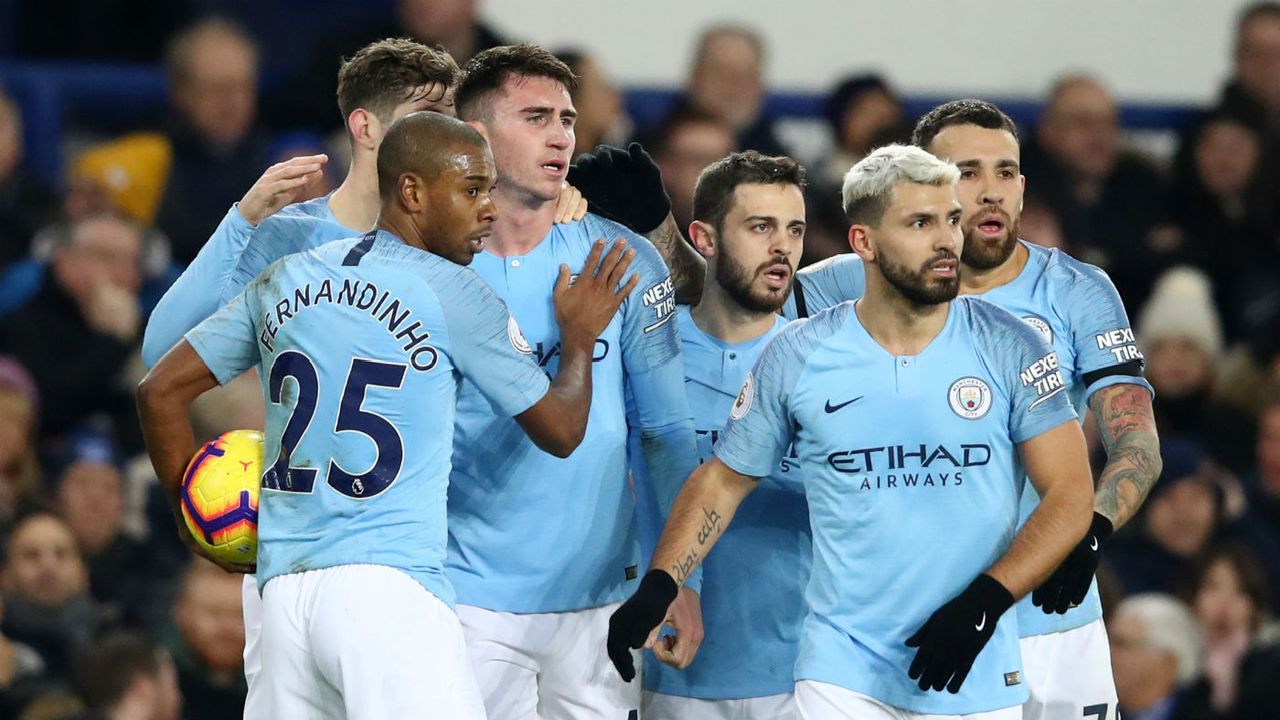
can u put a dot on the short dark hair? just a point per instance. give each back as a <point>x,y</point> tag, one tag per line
<point>658,139</point>
<point>1252,575</point>
<point>484,74</point>
<point>421,142</point>
<point>383,74</point>
<point>969,111</point>
<point>106,668</point>
<point>713,194</point>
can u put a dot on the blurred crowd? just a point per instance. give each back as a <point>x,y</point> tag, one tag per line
<point>103,614</point>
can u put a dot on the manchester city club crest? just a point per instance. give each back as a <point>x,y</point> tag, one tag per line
<point>742,405</point>
<point>970,397</point>
<point>1040,325</point>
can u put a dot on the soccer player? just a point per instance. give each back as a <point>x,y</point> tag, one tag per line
<point>541,549</point>
<point>1076,308</point>
<point>382,82</point>
<point>914,418</point>
<point>372,337</point>
<point>749,223</point>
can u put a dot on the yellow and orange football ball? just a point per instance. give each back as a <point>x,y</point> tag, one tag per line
<point>220,495</point>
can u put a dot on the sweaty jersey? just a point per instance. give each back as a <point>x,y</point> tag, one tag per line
<point>363,344</point>
<point>1074,306</point>
<point>753,584</point>
<point>530,532</point>
<point>912,473</point>
<point>234,255</point>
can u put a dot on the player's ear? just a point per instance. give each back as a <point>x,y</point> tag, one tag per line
<point>364,128</point>
<point>412,192</point>
<point>703,238</point>
<point>860,242</point>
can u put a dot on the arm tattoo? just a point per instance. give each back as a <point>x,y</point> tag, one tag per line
<point>685,264</point>
<point>681,570</point>
<point>712,525</point>
<point>1128,430</point>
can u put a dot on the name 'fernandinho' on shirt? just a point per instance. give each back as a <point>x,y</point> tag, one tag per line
<point>392,312</point>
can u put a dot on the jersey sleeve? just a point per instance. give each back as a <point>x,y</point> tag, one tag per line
<point>227,340</point>
<point>486,345</point>
<point>1027,367</point>
<point>761,426</point>
<point>825,284</point>
<point>1106,349</point>
<point>199,291</point>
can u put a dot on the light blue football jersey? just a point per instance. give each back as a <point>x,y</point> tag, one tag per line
<point>913,477</point>
<point>530,532</point>
<point>234,255</point>
<point>363,345</point>
<point>1075,307</point>
<point>753,584</point>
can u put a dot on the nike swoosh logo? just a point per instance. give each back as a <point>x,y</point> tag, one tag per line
<point>833,408</point>
<point>1093,544</point>
<point>981,623</point>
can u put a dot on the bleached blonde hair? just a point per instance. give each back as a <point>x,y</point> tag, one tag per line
<point>868,186</point>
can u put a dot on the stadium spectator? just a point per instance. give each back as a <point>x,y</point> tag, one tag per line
<point>1255,84</point>
<point>123,676</point>
<point>1260,526</point>
<point>727,83</point>
<point>207,643</point>
<point>212,70</point>
<point>1107,199</point>
<point>863,113</point>
<point>1177,522</point>
<point>46,600</point>
<point>1180,334</point>
<point>686,143</point>
<point>1155,651</point>
<point>1223,205</point>
<point>90,499</point>
<point>602,120</point>
<point>1228,593</point>
<point>19,469</point>
<point>81,328</point>
<point>25,203</point>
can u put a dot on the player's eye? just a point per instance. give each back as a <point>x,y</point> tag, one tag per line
<point>1006,174</point>
<point>473,191</point>
<point>954,219</point>
<point>760,227</point>
<point>920,224</point>
<point>967,174</point>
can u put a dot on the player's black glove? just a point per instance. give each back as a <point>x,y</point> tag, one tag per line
<point>630,625</point>
<point>1068,585</point>
<point>950,640</point>
<point>622,185</point>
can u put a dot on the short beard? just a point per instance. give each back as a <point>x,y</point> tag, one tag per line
<point>914,286</point>
<point>989,254</point>
<point>736,280</point>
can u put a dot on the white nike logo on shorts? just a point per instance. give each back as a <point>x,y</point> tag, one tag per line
<point>981,623</point>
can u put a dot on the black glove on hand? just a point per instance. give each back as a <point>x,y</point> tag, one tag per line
<point>950,640</point>
<point>622,185</point>
<point>1068,585</point>
<point>630,625</point>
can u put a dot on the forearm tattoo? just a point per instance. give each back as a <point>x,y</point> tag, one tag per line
<point>1128,429</point>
